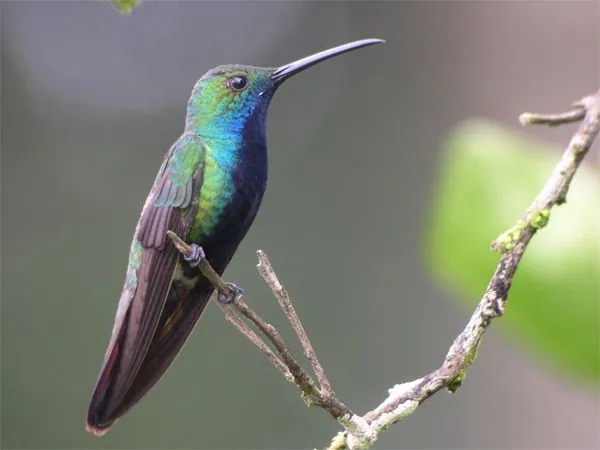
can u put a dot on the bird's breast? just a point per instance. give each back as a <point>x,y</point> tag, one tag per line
<point>229,198</point>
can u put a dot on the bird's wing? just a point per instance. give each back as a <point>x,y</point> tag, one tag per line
<point>177,322</point>
<point>172,205</point>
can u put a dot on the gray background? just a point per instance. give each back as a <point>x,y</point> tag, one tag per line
<point>92,100</point>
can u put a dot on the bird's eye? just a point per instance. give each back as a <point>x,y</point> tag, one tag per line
<point>237,82</point>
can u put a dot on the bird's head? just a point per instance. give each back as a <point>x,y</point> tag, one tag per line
<point>229,98</point>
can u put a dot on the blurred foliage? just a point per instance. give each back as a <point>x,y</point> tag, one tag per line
<point>125,6</point>
<point>487,181</point>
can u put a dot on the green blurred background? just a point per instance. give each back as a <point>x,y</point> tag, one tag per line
<point>91,101</point>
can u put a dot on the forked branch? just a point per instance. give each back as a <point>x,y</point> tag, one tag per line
<point>270,277</point>
<point>281,357</point>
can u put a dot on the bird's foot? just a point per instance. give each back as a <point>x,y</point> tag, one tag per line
<point>234,292</point>
<point>196,256</point>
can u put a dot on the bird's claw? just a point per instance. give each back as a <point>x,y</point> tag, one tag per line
<point>196,256</point>
<point>234,292</point>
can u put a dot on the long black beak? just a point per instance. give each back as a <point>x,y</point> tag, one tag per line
<point>284,72</point>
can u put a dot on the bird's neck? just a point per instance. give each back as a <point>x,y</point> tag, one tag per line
<point>233,128</point>
<point>243,152</point>
<point>236,138</point>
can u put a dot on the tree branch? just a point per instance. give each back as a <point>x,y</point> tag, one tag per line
<point>268,274</point>
<point>403,399</point>
<point>361,431</point>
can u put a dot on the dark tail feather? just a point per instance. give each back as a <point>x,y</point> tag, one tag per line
<point>138,315</point>
<point>175,327</point>
<point>94,422</point>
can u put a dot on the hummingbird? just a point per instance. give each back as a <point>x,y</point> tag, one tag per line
<point>207,191</point>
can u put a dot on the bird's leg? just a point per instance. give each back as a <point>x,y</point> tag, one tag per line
<point>195,257</point>
<point>234,292</point>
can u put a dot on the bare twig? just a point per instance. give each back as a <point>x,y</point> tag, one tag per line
<point>250,334</point>
<point>553,120</point>
<point>285,361</point>
<point>310,393</point>
<point>270,277</point>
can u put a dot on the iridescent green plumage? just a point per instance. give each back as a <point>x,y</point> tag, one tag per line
<point>216,192</point>
<point>208,192</point>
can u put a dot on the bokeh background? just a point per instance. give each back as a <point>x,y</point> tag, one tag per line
<point>91,101</point>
